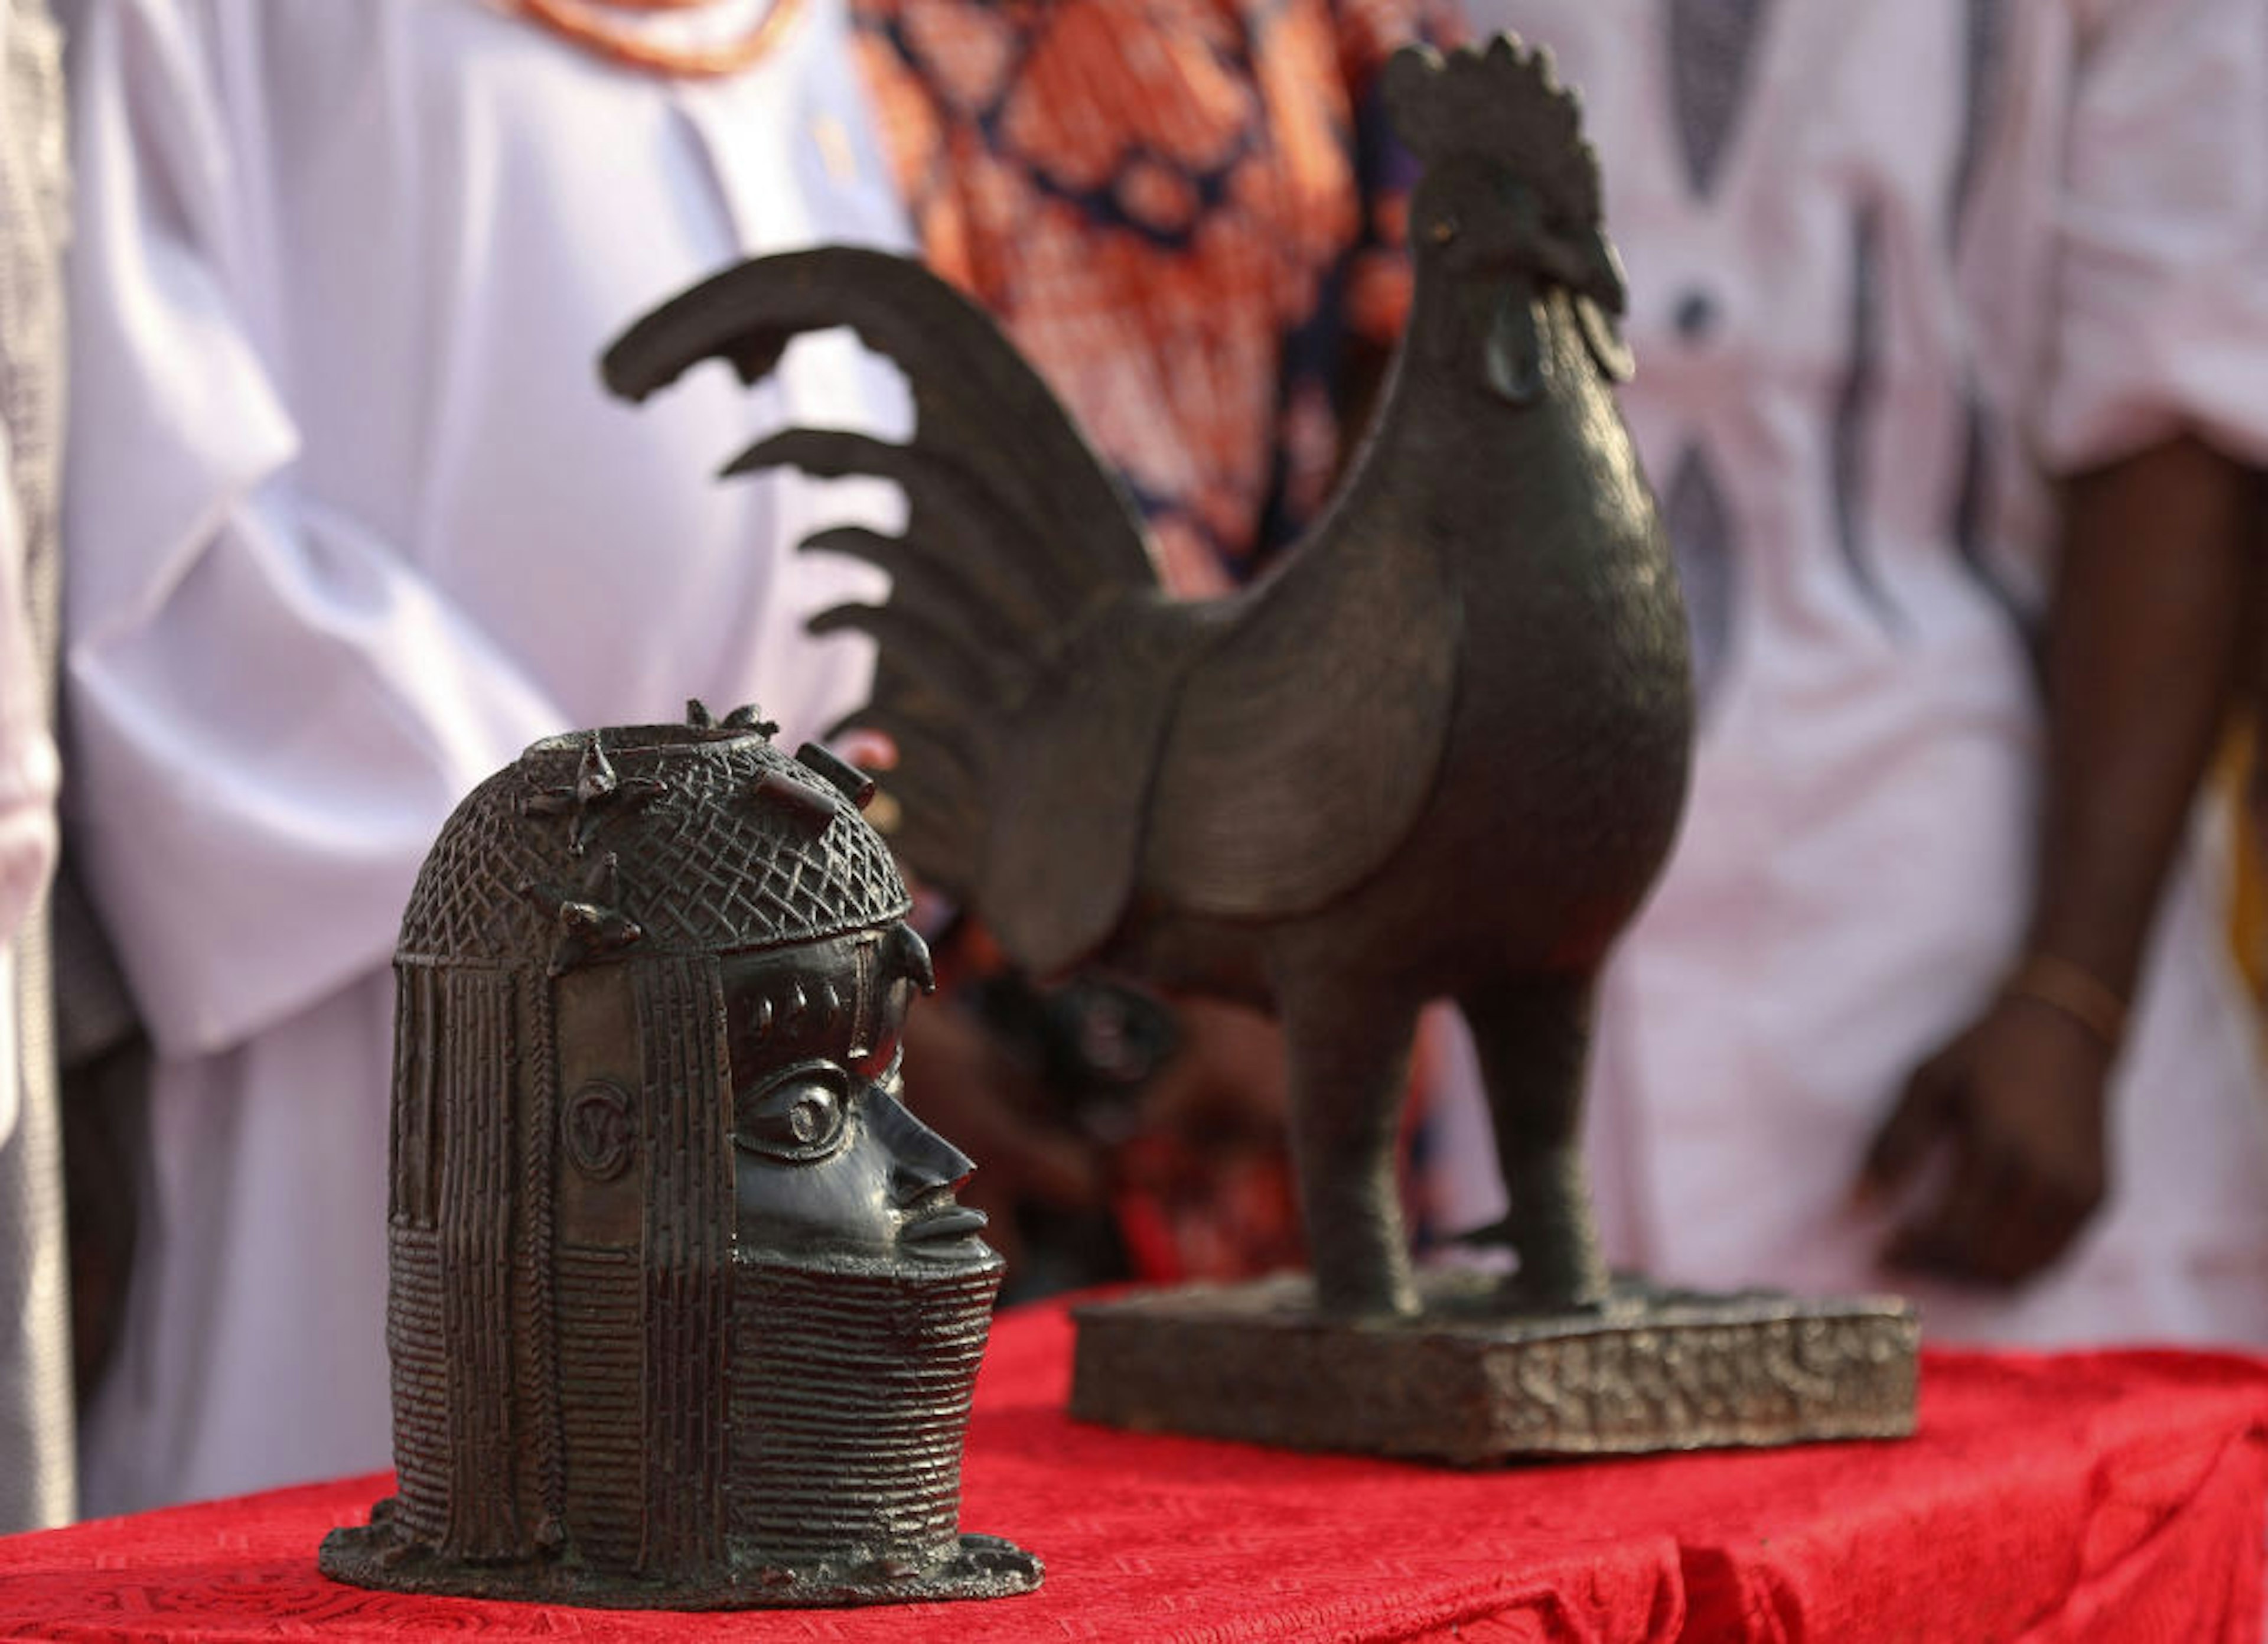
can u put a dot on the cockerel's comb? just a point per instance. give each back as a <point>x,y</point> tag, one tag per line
<point>1502,101</point>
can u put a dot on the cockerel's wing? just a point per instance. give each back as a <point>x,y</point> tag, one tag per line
<point>1027,665</point>
<point>1065,842</point>
<point>1309,735</point>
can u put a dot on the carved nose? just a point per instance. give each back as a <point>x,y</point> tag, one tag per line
<point>921,1161</point>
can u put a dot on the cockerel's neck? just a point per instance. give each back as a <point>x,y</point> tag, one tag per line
<point>1486,446</point>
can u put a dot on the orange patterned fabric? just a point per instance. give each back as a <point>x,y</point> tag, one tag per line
<point>1182,211</point>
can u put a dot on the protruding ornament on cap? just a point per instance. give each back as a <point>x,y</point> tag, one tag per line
<point>597,792</point>
<point>856,784</point>
<point>591,925</point>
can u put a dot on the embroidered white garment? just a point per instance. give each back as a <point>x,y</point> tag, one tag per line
<point>1892,262</point>
<point>352,522</point>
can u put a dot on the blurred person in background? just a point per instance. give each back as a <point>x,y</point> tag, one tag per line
<point>2246,774</point>
<point>1952,319</point>
<point>352,522</point>
<point>1188,217</point>
<point>36,1463</point>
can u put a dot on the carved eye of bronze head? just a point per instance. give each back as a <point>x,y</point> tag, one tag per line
<point>798,1115</point>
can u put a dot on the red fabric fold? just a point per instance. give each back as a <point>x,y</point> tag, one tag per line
<point>2114,1496</point>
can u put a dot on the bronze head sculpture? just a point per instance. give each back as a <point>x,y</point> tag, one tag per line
<point>682,1311</point>
<point>1439,752</point>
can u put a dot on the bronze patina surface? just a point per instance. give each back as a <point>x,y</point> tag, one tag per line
<point>1438,753</point>
<point>683,1312</point>
<point>1462,1382</point>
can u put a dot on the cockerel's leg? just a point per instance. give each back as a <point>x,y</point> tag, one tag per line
<point>1350,1064</point>
<point>1533,1036</point>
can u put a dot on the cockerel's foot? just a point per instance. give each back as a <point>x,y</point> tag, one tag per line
<point>1579,1286</point>
<point>1518,1296</point>
<point>1389,1295</point>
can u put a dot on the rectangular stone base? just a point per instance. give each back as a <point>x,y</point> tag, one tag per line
<point>1656,1370</point>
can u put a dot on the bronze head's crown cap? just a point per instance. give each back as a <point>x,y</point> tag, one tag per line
<point>694,839</point>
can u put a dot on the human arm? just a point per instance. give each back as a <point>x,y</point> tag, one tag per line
<point>2152,397</point>
<point>2144,649</point>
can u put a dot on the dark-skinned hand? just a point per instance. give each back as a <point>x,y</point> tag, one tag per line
<point>2013,1111</point>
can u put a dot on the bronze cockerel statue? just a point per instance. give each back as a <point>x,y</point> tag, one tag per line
<point>1439,752</point>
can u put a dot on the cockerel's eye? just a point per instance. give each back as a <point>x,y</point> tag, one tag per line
<point>1444,230</point>
<point>799,1115</point>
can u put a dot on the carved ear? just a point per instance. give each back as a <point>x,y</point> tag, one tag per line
<point>910,958</point>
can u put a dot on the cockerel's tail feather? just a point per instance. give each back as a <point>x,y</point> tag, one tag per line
<point>828,453</point>
<point>924,841</point>
<point>949,658</point>
<point>1022,571</point>
<point>937,824</point>
<point>951,517</point>
<point>923,570</point>
<point>969,383</point>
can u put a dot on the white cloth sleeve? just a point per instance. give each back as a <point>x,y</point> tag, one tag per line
<point>271,711</point>
<point>2161,267</point>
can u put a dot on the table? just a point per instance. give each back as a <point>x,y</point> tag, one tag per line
<point>2098,1496</point>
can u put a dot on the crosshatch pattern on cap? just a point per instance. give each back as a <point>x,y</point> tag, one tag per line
<point>704,865</point>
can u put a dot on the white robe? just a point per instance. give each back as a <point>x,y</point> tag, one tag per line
<point>2044,221</point>
<point>31,213</point>
<point>351,521</point>
<point>35,1392</point>
<point>28,778</point>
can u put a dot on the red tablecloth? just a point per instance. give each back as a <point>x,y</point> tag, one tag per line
<point>2110,1496</point>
